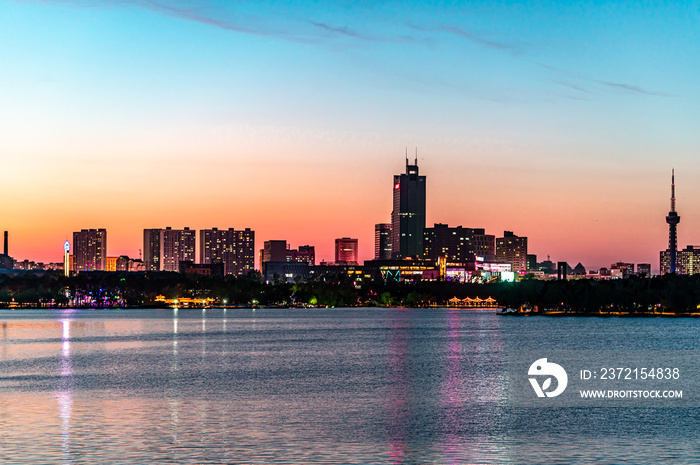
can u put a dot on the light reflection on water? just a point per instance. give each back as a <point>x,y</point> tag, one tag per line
<point>310,386</point>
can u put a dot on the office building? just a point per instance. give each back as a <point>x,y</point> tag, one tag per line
<point>408,214</point>
<point>90,250</point>
<point>304,254</point>
<point>458,244</point>
<point>531,262</point>
<point>346,251</point>
<point>274,251</point>
<point>625,269</point>
<point>6,262</point>
<point>512,249</point>
<point>644,270</point>
<point>382,241</point>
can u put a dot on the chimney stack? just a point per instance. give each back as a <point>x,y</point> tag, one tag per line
<point>5,249</point>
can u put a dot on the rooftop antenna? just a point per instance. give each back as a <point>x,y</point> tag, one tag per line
<point>416,156</point>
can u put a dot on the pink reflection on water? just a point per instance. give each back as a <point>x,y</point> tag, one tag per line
<point>452,388</point>
<point>398,391</point>
<point>65,394</point>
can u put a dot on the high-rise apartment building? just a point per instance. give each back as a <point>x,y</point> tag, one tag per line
<point>233,248</point>
<point>151,249</point>
<point>177,245</point>
<point>164,249</point>
<point>408,214</point>
<point>241,258</point>
<point>90,250</point>
<point>688,260</point>
<point>512,249</point>
<point>382,241</point>
<point>346,251</point>
<point>458,244</point>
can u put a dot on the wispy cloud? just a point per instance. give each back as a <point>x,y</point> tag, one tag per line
<point>631,88</point>
<point>583,83</point>
<point>481,39</point>
<point>233,17</point>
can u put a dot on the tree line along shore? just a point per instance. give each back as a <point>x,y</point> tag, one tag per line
<point>665,295</point>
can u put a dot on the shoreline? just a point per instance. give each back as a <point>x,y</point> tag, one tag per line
<point>561,314</point>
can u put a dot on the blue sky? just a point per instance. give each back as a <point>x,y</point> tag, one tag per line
<point>558,120</point>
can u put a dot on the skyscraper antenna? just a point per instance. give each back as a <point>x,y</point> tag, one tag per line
<point>416,156</point>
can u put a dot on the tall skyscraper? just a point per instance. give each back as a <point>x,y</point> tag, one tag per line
<point>668,263</point>
<point>346,251</point>
<point>233,248</point>
<point>408,215</point>
<point>90,250</point>
<point>512,249</point>
<point>382,241</point>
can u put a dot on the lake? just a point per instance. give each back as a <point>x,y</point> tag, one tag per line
<point>360,386</point>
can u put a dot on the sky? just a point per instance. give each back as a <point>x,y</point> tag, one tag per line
<point>559,121</point>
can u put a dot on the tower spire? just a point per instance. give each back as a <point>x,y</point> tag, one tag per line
<point>673,190</point>
<point>672,220</point>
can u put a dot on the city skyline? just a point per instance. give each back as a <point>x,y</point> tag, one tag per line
<point>558,122</point>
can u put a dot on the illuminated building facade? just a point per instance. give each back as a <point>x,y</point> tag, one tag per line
<point>625,269</point>
<point>177,245</point>
<point>512,249</point>
<point>408,214</point>
<point>382,241</point>
<point>151,249</point>
<point>346,251</point>
<point>235,249</point>
<point>689,260</point>
<point>66,259</point>
<point>90,250</point>
<point>644,269</point>
<point>111,264</point>
<point>164,249</point>
<point>458,244</point>
<point>304,254</point>
<point>241,259</point>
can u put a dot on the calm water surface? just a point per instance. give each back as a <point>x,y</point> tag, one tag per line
<point>372,386</point>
